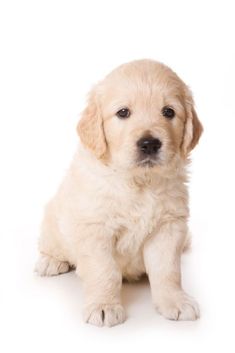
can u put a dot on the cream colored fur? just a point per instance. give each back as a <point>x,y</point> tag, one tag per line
<point>113,218</point>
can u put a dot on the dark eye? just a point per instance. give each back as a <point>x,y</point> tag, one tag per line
<point>168,112</point>
<point>123,113</point>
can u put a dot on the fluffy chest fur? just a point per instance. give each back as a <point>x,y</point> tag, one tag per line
<point>134,218</point>
<point>128,208</point>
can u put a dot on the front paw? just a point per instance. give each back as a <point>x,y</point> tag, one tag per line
<point>104,314</point>
<point>177,306</point>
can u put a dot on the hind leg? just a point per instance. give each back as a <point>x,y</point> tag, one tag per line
<point>49,266</point>
<point>52,260</point>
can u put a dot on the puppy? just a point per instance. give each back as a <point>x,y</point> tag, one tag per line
<point>122,209</point>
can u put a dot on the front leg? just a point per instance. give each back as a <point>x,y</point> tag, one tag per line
<point>102,280</point>
<point>162,256</point>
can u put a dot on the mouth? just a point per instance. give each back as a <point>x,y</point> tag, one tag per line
<point>148,162</point>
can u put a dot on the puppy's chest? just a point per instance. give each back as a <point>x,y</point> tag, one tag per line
<point>134,220</point>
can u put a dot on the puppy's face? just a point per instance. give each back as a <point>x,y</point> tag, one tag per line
<point>140,116</point>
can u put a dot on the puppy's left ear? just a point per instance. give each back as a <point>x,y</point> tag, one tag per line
<point>90,127</point>
<point>192,129</point>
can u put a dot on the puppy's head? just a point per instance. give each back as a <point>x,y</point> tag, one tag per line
<point>140,115</point>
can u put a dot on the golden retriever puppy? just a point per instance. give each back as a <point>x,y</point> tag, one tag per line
<point>122,209</point>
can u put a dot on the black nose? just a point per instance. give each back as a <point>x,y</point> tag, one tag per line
<point>149,145</point>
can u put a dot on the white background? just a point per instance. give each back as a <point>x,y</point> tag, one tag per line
<point>52,52</point>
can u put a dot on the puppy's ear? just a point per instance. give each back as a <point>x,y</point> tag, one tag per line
<point>192,129</point>
<point>90,127</point>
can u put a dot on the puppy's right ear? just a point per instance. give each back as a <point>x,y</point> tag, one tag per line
<point>90,128</point>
